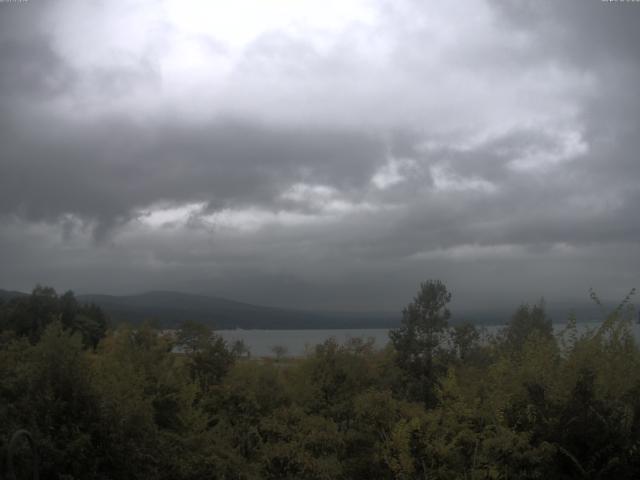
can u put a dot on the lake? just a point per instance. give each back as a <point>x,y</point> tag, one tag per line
<point>298,342</point>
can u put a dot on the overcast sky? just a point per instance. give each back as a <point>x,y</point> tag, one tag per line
<point>321,154</point>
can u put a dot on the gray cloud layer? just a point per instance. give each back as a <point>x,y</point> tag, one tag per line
<point>322,161</point>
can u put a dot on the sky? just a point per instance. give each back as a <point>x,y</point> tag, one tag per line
<point>321,154</point>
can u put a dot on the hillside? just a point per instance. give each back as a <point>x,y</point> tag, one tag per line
<point>8,294</point>
<point>168,309</point>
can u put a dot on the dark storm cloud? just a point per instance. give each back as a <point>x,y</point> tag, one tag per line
<point>338,166</point>
<point>117,166</point>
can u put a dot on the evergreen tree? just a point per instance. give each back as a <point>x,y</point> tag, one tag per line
<point>421,334</point>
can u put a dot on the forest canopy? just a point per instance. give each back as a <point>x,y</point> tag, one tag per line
<point>439,401</point>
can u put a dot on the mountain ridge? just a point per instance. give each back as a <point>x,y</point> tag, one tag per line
<point>168,308</point>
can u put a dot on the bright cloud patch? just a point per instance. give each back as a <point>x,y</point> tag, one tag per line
<point>323,199</point>
<point>475,252</point>
<point>445,180</point>
<point>306,193</point>
<point>175,216</point>
<point>395,171</point>
<point>565,147</point>
<point>253,219</point>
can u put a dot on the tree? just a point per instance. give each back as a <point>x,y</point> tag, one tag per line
<point>92,323</point>
<point>465,338</point>
<point>280,351</point>
<point>417,340</point>
<point>300,445</point>
<point>240,349</point>
<point>61,404</point>
<point>209,358</point>
<point>29,315</point>
<point>527,321</point>
<point>193,336</point>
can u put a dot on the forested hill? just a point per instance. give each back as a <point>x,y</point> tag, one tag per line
<point>168,309</point>
<point>8,294</point>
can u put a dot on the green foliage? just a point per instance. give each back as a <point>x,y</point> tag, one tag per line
<point>419,338</point>
<point>299,445</point>
<point>139,404</point>
<point>208,356</point>
<point>29,316</point>
<point>526,321</point>
<point>465,339</point>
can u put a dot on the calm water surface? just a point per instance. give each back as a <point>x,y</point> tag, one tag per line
<point>299,342</point>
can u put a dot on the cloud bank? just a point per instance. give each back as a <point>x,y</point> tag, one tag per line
<point>321,154</point>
